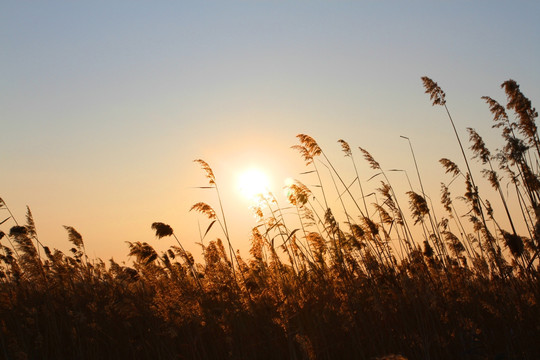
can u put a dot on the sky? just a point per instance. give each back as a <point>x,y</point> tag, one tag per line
<point>105,105</point>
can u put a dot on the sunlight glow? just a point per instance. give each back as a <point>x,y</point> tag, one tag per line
<point>252,183</point>
<point>289,181</point>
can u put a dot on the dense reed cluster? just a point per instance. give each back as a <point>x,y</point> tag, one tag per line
<point>347,281</point>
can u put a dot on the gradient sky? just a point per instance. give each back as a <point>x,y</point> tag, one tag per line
<point>104,105</point>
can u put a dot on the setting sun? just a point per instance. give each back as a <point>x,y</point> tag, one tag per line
<point>253,182</point>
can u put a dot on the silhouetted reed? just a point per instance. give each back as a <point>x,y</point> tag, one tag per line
<point>322,281</point>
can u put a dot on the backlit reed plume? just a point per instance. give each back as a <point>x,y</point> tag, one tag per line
<point>205,209</point>
<point>523,108</point>
<point>374,164</point>
<point>209,173</point>
<point>450,166</point>
<point>418,206</point>
<point>436,94</point>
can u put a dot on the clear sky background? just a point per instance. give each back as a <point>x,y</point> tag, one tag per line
<point>104,104</point>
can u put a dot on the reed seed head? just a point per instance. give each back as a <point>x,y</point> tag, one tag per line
<point>374,164</point>
<point>345,147</point>
<point>446,199</point>
<point>514,243</point>
<point>478,146</point>
<point>436,94</point>
<point>74,236</point>
<point>450,166</point>
<point>162,229</point>
<point>523,108</point>
<point>205,209</point>
<point>418,206</point>
<point>209,173</point>
<point>498,111</point>
<point>18,231</point>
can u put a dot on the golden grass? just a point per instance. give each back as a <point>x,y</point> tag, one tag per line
<point>313,288</point>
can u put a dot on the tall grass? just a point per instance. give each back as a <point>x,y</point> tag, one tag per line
<point>314,287</point>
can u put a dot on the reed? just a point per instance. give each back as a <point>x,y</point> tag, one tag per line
<point>381,281</point>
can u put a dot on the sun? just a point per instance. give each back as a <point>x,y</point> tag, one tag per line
<point>252,183</point>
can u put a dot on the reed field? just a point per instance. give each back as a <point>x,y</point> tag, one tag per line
<point>400,277</point>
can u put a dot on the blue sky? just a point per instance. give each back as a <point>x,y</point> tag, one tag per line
<point>104,105</point>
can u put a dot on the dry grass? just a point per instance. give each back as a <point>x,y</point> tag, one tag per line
<point>313,287</point>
